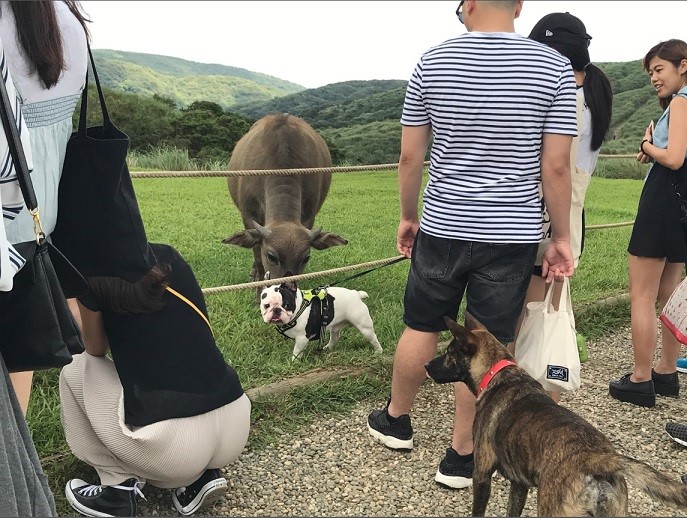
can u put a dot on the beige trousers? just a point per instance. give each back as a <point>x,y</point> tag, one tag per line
<point>167,454</point>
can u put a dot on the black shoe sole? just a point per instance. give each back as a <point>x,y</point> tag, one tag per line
<point>663,389</point>
<point>644,400</point>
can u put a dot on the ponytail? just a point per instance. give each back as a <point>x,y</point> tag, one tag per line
<point>598,96</point>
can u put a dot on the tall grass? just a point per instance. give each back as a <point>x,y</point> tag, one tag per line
<point>169,159</point>
<point>194,214</point>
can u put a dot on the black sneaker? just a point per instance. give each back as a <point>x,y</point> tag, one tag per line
<point>640,394</point>
<point>92,500</point>
<point>396,434</point>
<point>666,384</point>
<point>455,471</point>
<point>202,493</point>
<point>677,432</point>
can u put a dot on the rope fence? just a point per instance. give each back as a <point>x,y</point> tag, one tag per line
<point>311,170</point>
<point>301,277</point>
<point>285,172</point>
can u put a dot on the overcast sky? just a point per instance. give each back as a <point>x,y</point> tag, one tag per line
<point>314,43</point>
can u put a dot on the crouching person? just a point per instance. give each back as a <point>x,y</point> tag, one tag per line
<point>166,409</point>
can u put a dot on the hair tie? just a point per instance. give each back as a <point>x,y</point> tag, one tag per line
<point>585,67</point>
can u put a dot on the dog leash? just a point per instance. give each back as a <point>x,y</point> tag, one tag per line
<point>360,274</point>
<point>193,306</point>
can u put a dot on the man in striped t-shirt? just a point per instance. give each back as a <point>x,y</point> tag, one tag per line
<point>501,111</point>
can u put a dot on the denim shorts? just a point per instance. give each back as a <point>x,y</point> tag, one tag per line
<point>493,276</point>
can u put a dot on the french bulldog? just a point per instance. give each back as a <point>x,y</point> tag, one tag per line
<point>280,303</point>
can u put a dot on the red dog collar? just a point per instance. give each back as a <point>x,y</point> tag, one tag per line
<point>493,371</point>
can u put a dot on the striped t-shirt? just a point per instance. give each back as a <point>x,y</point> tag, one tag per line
<point>489,97</point>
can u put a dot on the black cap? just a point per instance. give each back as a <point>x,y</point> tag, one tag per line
<point>560,28</point>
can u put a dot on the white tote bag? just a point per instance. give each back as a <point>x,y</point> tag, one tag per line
<point>674,314</point>
<point>546,346</point>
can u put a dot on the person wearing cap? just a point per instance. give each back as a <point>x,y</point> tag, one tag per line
<point>657,248</point>
<point>499,111</point>
<point>568,35</point>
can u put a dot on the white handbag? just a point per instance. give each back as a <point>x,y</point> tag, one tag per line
<point>674,314</point>
<point>546,346</point>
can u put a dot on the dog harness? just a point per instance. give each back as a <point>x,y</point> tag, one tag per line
<point>321,314</point>
<point>493,371</point>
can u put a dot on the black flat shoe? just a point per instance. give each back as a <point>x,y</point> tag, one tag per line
<point>666,384</point>
<point>640,394</point>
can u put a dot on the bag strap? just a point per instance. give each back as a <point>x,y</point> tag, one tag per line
<point>11,125</point>
<point>195,308</point>
<point>107,123</point>
<point>564,299</point>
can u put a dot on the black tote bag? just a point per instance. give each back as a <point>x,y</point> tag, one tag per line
<point>99,226</point>
<point>37,330</point>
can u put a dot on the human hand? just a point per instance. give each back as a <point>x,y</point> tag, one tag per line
<point>558,261</point>
<point>405,237</point>
<point>644,158</point>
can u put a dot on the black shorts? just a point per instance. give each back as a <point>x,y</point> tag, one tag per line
<point>494,276</point>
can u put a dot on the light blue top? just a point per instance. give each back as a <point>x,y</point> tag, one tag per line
<point>660,136</point>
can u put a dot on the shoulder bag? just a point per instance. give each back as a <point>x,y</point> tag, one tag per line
<point>37,329</point>
<point>546,346</point>
<point>99,225</point>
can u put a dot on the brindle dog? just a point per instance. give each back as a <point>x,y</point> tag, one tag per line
<point>533,442</point>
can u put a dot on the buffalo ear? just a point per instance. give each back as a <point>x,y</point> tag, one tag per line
<point>244,238</point>
<point>322,240</point>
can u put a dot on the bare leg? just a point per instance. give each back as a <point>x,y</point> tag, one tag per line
<point>670,347</point>
<point>463,419</point>
<point>21,382</point>
<point>74,308</point>
<point>645,277</point>
<point>414,349</point>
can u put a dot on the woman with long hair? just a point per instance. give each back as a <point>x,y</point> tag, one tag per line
<point>46,52</point>
<point>568,35</point>
<point>657,249</point>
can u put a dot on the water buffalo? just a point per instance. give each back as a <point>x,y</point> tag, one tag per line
<point>278,212</point>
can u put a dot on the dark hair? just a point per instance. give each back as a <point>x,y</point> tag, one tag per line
<point>142,296</point>
<point>672,50</point>
<point>598,94</point>
<point>39,36</point>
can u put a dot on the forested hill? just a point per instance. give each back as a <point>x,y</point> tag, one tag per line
<point>360,119</point>
<point>186,81</point>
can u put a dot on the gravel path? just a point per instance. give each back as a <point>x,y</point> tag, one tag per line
<point>334,468</point>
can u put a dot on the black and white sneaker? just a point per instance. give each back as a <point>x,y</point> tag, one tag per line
<point>201,494</point>
<point>92,500</point>
<point>677,432</point>
<point>455,471</point>
<point>395,433</point>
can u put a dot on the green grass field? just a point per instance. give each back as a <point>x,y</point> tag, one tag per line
<point>194,214</point>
